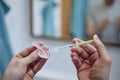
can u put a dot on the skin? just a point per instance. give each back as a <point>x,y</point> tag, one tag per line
<point>92,29</point>
<point>91,62</point>
<point>26,64</point>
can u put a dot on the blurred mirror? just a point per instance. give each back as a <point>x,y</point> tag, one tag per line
<point>57,19</point>
<point>66,19</point>
<point>46,18</point>
<point>104,19</point>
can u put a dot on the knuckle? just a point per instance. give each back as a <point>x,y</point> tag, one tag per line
<point>101,45</point>
<point>45,47</point>
<point>18,62</point>
<point>27,50</point>
<point>40,43</point>
<point>73,49</point>
<point>108,60</point>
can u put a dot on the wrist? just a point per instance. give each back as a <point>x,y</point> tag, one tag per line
<point>83,76</point>
<point>99,74</point>
<point>8,76</point>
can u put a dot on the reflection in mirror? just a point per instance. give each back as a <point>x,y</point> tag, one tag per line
<point>59,18</point>
<point>104,19</point>
<point>65,19</point>
<point>46,18</point>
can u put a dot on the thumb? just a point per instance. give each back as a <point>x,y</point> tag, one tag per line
<point>32,57</point>
<point>100,46</point>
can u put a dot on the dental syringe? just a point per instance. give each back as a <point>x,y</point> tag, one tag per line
<point>72,45</point>
<point>43,54</point>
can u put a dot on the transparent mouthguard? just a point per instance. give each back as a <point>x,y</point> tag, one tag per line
<point>42,53</point>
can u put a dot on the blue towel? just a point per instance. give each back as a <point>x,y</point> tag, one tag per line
<point>48,22</point>
<point>78,21</point>
<point>5,48</point>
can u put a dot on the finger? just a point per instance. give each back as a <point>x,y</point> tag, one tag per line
<point>37,44</point>
<point>93,58</point>
<point>75,54</point>
<point>46,50</point>
<point>88,48</point>
<point>40,44</point>
<point>76,62</point>
<point>39,65</point>
<point>82,53</point>
<point>29,50</point>
<point>44,53</point>
<point>32,57</point>
<point>100,46</point>
<point>35,63</point>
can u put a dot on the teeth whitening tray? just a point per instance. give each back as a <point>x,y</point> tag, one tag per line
<point>43,54</point>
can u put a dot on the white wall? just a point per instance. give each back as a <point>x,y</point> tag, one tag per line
<point>59,65</point>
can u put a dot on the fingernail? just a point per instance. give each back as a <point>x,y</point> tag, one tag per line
<point>96,37</point>
<point>40,43</point>
<point>35,44</point>
<point>76,44</point>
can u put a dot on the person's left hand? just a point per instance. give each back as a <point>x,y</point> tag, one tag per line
<point>26,64</point>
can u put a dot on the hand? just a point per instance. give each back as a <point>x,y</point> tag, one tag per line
<point>25,65</point>
<point>92,63</point>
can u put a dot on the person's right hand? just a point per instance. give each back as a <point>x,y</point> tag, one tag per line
<point>92,63</point>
